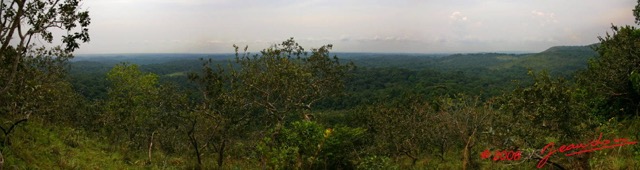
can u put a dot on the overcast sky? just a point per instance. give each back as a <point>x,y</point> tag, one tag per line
<point>411,26</point>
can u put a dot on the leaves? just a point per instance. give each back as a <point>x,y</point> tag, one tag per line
<point>610,75</point>
<point>284,80</point>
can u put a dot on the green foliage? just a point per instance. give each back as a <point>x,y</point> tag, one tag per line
<point>611,75</point>
<point>401,127</point>
<point>276,109</point>
<point>132,104</point>
<point>41,146</point>
<point>636,12</point>
<point>549,107</point>
<point>379,76</point>
<point>342,146</point>
<point>285,80</point>
<point>558,61</point>
<point>25,64</point>
<point>634,77</point>
<point>31,75</point>
<point>407,128</point>
<point>550,110</point>
<point>377,163</point>
<point>267,90</point>
<point>308,145</point>
<point>297,146</point>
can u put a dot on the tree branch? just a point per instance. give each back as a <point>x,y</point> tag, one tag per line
<point>14,24</point>
<point>6,132</point>
<point>5,44</point>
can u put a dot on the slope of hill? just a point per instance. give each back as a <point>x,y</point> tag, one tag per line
<point>475,60</point>
<point>144,59</point>
<point>557,60</point>
<point>560,59</point>
<point>495,69</point>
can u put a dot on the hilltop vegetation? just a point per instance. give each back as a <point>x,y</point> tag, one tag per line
<point>291,108</point>
<point>485,74</point>
<point>562,60</point>
<point>384,96</point>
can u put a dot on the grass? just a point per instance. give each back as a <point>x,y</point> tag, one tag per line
<point>37,145</point>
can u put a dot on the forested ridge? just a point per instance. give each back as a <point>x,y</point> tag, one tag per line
<point>295,107</point>
<point>478,74</point>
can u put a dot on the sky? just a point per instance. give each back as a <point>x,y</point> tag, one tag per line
<point>389,26</point>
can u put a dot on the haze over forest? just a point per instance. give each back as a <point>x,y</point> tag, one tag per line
<point>405,26</point>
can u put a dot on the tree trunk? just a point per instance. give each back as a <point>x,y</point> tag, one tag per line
<point>443,149</point>
<point>1,161</point>
<point>194,143</point>
<point>466,159</point>
<point>151,146</point>
<point>221,153</point>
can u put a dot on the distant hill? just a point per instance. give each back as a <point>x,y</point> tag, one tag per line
<point>145,59</point>
<point>484,73</point>
<point>560,59</point>
<point>475,60</point>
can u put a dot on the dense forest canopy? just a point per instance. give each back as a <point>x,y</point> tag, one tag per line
<point>291,107</point>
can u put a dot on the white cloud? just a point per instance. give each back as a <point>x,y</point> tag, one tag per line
<point>357,25</point>
<point>457,16</point>
<point>544,17</point>
<point>538,13</point>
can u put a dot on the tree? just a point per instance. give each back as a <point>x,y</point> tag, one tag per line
<point>222,116</point>
<point>549,110</point>
<point>41,17</point>
<point>636,12</point>
<point>406,127</point>
<point>284,80</point>
<point>280,84</point>
<point>401,127</point>
<point>610,76</point>
<point>309,145</point>
<point>141,113</point>
<point>131,111</point>
<point>28,68</point>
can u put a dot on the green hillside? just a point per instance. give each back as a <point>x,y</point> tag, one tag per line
<point>475,60</point>
<point>557,60</point>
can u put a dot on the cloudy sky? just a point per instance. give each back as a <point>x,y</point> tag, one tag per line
<point>411,26</point>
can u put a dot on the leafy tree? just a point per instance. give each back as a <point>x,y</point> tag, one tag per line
<point>132,108</point>
<point>282,83</point>
<point>465,119</point>
<point>27,68</point>
<point>400,127</point>
<point>550,110</point>
<point>612,76</point>
<point>636,12</point>
<point>284,80</point>
<point>222,116</point>
<point>405,128</point>
<point>309,145</point>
